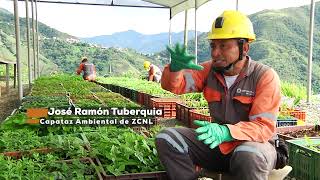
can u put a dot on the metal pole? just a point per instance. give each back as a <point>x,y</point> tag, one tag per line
<point>195,33</point>
<point>7,78</point>
<point>37,39</point>
<point>170,40</point>
<point>28,43</point>
<point>237,5</point>
<point>17,31</point>
<point>170,37</point>
<point>185,28</point>
<point>14,76</point>
<point>33,42</point>
<point>309,90</point>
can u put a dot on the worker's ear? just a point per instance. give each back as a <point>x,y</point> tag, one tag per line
<point>246,48</point>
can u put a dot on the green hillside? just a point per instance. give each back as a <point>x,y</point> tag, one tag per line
<point>8,47</point>
<point>62,52</point>
<point>282,43</point>
<point>8,51</point>
<point>7,26</point>
<point>67,56</point>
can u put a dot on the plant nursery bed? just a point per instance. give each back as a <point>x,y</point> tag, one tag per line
<point>157,175</point>
<point>124,152</point>
<point>291,132</point>
<point>91,170</point>
<point>19,154</point>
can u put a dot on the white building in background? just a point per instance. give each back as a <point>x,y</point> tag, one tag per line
<point>72,40</point>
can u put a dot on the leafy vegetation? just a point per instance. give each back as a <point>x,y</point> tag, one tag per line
<point>311,145</point>
<point>195,100</point>
<point>45,167</point>
<point>138,84</point>
<point>41,152</point>
<point>44,102</point>
<point>122,151</point>
<point>67,56</point>
<point>295,91</point>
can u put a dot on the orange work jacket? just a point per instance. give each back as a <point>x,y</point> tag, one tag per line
<point>249,107</point>
<point>89,71</point>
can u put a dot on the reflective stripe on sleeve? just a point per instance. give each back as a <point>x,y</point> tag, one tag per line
<point>169,139</point>
<point>180,138</point>
<point>245,148</point>
<point>190,84</point>
<point>264,115</point>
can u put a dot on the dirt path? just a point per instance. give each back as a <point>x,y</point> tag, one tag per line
<point>8,102</point>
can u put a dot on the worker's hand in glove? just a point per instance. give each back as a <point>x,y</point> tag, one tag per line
<point>180,59</point>
<point>212,134</point>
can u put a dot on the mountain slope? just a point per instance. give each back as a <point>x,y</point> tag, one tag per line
<point>68,55</point>
<point>8,51</point>
<point>282,43</point>
<point>62,52</point>
<point>7,27</point>
<point>147,43</point>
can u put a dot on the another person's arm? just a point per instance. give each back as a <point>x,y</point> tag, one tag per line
<point>151,73</point>
<point>80,69</point>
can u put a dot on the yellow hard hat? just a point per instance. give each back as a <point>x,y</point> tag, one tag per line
<point>146,65</point>
<point>232,24</point>
<point>84,58</point>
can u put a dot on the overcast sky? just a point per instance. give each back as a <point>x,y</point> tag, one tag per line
<point>88,21</point>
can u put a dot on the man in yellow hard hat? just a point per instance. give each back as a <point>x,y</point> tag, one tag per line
<point>243,97</point>
<point>154,72</point>
<point>88,69</point>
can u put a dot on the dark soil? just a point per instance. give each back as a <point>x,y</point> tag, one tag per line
<point>312,132</point>
<point>10,101</point>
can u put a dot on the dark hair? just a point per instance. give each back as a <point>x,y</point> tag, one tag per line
<point>84,60</point>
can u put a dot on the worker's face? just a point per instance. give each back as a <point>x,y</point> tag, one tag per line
<point>224,52</point>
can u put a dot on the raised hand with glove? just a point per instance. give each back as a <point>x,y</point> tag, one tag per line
<point>180,59</point>
<point>212,134</point>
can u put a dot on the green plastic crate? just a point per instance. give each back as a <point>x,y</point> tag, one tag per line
<point>304,161</point>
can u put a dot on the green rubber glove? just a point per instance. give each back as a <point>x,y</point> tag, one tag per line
<point>212,134</point>
<point>180,59</point>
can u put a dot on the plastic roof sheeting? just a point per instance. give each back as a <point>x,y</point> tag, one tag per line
<point>134,2</point>
<point>130,3</point>
<point>177,6</point>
